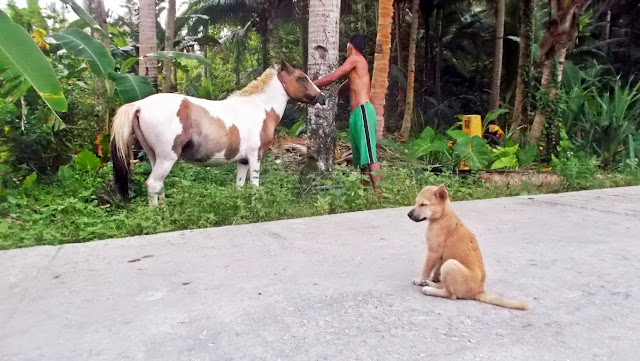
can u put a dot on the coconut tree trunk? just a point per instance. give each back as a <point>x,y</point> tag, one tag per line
<point>411,69</point>
<point>380,79</point>
<point>426,10</point>
<point>324,31</point>
<point>168,45</point>
<point>148,42</point>
<point>397,44</point>
<point>398,25</point>
<point>302,12</point>
<point>97,10</point>
<point>439,16</point>
<point>524,93</point>
<point>561,33</point>
<point>497,56</point>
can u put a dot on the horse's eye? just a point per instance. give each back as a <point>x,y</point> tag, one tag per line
<point>302,79</point>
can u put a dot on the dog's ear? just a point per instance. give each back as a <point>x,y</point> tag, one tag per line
<point>442,193</point>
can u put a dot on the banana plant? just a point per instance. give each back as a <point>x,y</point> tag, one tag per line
<point>85,17</point>
<point>81,45</point>
<point>162,55</point>
<point>23,66</point>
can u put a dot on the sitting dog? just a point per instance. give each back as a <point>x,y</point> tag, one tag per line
<point>453,256</point>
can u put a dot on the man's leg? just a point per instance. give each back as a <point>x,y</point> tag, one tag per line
<point>374,175</point>
<point>367,176</point>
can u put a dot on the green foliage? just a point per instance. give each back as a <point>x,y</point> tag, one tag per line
<point>631,159</point>
<point>428,142</point>
<point>87,161</point>
<point>474,150</point>
<point>609,119</point>
<point>131,87</point>
<point>22,65</point>
<point>162,55</point>
<point>505,157</point>
<point>527,155</point>
<point>297,128</point>
<point>434,148</point>
<point>84,16</point>
<point>85,47</point>
<point>491,116</point>
<point>77,205</point>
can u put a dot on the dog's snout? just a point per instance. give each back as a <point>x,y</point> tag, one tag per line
<point>410,214</point>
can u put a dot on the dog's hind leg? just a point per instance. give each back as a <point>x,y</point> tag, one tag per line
<point>438,292</point>
<point>458,280</point>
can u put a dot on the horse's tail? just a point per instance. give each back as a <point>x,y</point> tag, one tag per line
<point>121,143</point>
<point>504,302</point>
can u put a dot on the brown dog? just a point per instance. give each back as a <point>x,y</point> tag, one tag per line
<point>453,256</point>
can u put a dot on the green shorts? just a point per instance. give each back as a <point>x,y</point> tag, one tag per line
<point>362,127</point>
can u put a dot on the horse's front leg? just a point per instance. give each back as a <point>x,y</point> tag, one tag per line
<point>254,170</point>
<point>243,167</point>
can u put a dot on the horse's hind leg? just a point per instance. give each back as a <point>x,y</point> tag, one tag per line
<point>155,182</point>
<point>143,141</point>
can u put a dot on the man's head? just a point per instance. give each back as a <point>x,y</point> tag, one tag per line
<point>358,42</point>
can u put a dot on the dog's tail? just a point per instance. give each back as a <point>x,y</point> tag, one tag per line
<point>503,302</point>
<point>121,142</point>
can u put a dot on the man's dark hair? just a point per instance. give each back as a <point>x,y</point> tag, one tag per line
<point>359,41</point>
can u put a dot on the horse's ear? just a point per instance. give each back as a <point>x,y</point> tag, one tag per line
<point>284,66</point>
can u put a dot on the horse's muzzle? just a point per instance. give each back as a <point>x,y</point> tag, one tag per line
<point>321,99</point>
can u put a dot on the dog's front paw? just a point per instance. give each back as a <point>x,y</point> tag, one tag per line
<point>419,282</point>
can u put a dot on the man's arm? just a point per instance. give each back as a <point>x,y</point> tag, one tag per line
<point>343,70</point>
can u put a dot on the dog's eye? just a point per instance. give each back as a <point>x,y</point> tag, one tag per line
<point>424,205</point>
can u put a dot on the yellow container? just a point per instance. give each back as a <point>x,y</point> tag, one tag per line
<point>472,125</point>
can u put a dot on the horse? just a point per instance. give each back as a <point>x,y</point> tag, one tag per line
<point>239,128</point>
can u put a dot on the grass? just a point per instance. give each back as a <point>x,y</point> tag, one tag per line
<point>52,212</point>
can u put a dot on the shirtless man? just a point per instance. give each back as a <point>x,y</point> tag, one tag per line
<point>362,121</point>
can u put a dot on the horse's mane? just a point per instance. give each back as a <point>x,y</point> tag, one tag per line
<point>256,85</point>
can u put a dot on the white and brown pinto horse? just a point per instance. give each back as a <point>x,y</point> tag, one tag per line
<point>237,129</point>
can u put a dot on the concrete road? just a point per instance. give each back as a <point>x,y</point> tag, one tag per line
<point>336,288</point>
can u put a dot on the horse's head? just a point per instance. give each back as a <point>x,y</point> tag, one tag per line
<point>298,85</point>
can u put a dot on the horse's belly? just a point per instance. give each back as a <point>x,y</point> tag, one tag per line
<point>217,159</point>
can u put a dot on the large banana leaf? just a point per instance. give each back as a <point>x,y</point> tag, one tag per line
<point>132,87</point>
<point>128,64</point>
<point>162,55</point>
<point>23,65</point>
<point>84,15</point>
<point>81,45</point>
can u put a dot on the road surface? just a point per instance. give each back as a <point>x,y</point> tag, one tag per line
<point>336,288</point>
